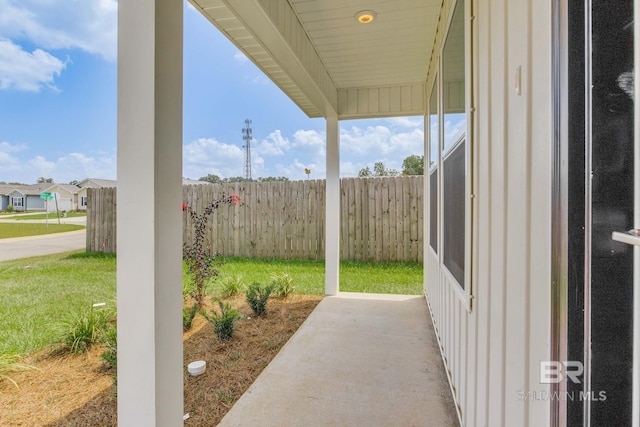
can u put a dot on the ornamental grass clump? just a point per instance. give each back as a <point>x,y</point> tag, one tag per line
<point>231,286</point>
<point>80,332</point>
<point>224,321</point>
<point>282,285</point>
<point>257,296</point>
<point>197,256</point>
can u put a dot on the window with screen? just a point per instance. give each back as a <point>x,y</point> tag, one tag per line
<point>453,207</point>
<point>454,147</point>
<point>453,81</point>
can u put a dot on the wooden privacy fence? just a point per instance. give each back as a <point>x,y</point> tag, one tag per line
<point>381,219</point>
<point>101,220</point>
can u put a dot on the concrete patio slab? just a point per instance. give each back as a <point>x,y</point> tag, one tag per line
<point>358,360</point>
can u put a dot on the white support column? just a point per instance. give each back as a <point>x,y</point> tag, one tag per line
<point>150,365</point>
<point>332,216</point>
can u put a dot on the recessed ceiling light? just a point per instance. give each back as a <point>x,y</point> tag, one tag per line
<point>366,16</point>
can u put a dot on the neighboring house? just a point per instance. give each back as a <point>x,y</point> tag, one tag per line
<point>4,196</point>
<point>69,197</point>
<point>97,183</point>
<point>65,197</point>
<point>81,194</point>
<point>23,197</point>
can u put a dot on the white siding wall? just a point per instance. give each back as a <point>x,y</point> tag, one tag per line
<point>382,101</point>
<point>492,354</point>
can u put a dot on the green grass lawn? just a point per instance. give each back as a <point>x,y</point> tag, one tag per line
<point>37,293</point>
<point>52,215</point>
<point>308,275</point>
<point>21,230</point>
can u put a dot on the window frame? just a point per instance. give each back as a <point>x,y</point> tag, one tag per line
<point>465,294</point>
<point>17,205</point>
<point>435,167</point>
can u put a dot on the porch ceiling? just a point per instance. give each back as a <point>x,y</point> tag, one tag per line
<point>326,61</point>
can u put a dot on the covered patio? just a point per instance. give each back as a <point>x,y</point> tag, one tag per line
<point>490,80</point>
<point>358,360</point>
<point>314,52</point>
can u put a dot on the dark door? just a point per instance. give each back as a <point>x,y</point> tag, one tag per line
<point>600,201</point>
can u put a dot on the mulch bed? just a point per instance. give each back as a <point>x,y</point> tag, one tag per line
<point>79,390</point>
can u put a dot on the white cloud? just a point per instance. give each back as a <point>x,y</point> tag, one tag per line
<point>27,71</point>
<point>380,141</point>
<point>360,147</point>
<point>6,147</point>
<point>295,170</point>
<point>16,165</point>
<point>72,166</point>
<point>9,164</point>
<point>79,166</point>
<point>207,155</point>
<point>89,25</point>
<point>364,141</point>
<point>408,142</point>
<point>406,122</point>
<point>454,127</point>
<point>274,145</point>
<point>311,140</point>
<point>351,169</point>
<point>43,166</point>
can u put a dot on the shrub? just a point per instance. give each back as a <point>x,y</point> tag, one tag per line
<point>11,363</point>
<point>188,314</point>
<point>282,285</point>
<point>196,256</point>
<point>10,208</point>
<point>231,285</point>
<point>224,323</point>
<point>83,330</point>
<point>110,341</point>
<point>257,297</point>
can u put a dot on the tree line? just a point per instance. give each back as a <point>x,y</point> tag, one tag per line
<point>412,165</point>
<point>215,179</point>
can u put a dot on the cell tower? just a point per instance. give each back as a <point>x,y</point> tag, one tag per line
<point>246,135</point>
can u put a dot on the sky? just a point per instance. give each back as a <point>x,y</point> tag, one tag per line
<point>58,104</point>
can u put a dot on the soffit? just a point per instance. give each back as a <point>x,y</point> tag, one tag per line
<point>323,59</point>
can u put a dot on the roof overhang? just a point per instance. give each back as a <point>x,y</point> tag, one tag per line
<point>327,62</point>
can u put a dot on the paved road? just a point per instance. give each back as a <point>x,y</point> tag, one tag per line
<point>24,247</point>
<point>80,220</point>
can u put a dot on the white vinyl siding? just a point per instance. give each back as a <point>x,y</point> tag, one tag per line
<point>492,353</point>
